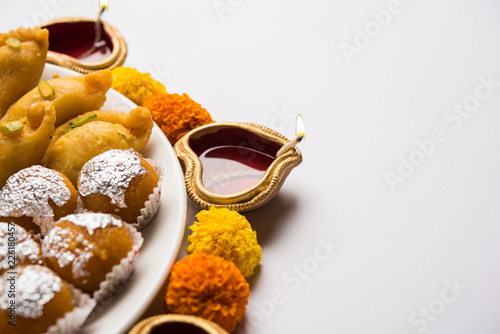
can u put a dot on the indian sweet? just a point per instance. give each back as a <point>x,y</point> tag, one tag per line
<point>17,247</point>
<point>117,182</point>
<point>83,248</point>
<point>70,96</point>
<point>37,195</point>
<point>92,133</point>
<point>23,142</point>
<point>41,298</point>
<point>22,58</point>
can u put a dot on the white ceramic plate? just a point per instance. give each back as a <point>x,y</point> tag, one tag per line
<point>162,237</point>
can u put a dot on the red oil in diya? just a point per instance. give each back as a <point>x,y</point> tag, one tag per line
<point>85,45</point>
<point>233,159</point>
<point>77,39</point>
<point>234,165</point>
<point>177,327</point>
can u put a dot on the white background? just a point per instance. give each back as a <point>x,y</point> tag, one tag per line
<point>266,61</point>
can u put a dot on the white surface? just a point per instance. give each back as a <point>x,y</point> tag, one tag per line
<point>162,237</point>
<point>270,59</point>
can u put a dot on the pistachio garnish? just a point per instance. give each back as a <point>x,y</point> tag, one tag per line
<point>124,136</point>
<point>81,122</point>
<point>14,42</point>
<point>46,90</point>
<point>11,127</point>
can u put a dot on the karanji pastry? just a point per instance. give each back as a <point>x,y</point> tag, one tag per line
<point>27,144</point>
<point>22,58</point>
<point>93,133</point>
<point>72,96</point>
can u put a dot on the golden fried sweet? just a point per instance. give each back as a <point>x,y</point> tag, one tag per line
<point>22,57</point>
<point>41,297</point>
<point>83,248</point>
<point>37,195</point>
<point>23,145</point>
<point>86,136</point>
<point>71,96</point>
<point>117,182</point>
<point>17,247</point>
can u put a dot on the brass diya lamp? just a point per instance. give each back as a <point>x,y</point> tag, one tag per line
<point>85,45</point>
<point>239,166</point>
<point>176,324</point>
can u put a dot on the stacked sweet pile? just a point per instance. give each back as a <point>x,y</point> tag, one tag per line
<point>74,190</point>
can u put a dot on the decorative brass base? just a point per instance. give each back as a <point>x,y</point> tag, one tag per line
<point>116,58</point>
<point>176,323</point>
<point>259,194</point>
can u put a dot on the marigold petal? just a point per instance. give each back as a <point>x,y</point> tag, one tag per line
<point>135,85</point>
<point>176,114</point>
<point>209,287</point>
<point>225,233</point>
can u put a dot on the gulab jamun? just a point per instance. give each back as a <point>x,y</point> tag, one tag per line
<point>17,247</point>
<point>118,182</point>
<point>41,298</point>
<point>34,194</point>
<point>82,248</point>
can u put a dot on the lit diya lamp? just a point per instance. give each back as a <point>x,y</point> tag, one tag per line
<point>239,166</point>
<point>85,45</point>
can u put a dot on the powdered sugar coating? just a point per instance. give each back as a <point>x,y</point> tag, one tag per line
<point>27,193</point>
<point>92,220</point>
<point>57,244</point>
<point>110,174</point>
<point>76,251</point>
<point>26,249</point>
<point>35,287</point>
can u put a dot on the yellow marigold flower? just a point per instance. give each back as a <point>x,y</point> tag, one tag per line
<point>209,287</point>
<point>135,85</point>
<point>225,233</point>
<point>176,115</point>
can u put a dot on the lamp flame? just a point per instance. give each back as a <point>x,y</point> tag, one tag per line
<point>300,128</point>
<point>300,134</point>
<point>103,4</point>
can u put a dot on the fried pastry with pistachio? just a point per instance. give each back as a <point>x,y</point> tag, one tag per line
<point>70,96</point>
<point>90,134</point>
<point>24,141</point>
<point>22,57</point>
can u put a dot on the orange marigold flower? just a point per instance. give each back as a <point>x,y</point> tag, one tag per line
<point>176,115</point>
<point>135,85</point>
<point>225,233</point>
<point>209,287</point>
